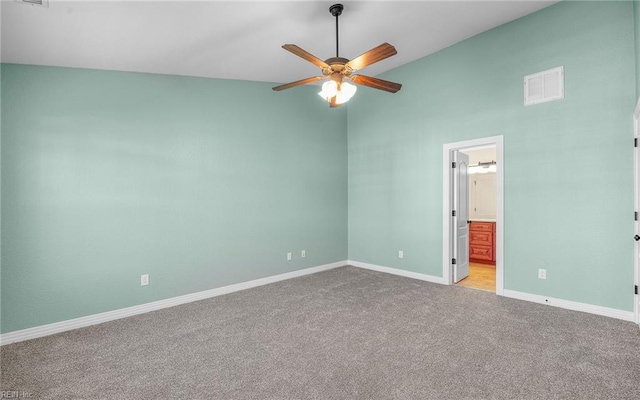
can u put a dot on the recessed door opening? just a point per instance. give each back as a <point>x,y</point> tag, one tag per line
<point>481,192</point>
<point>473,214</point>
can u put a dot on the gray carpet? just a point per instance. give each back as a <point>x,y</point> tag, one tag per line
<point>347,333</point>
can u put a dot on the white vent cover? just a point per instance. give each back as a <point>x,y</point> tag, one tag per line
<point>544,86</point>
<point>39,3</point>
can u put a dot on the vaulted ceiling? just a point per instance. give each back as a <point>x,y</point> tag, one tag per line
<point>238,39</point>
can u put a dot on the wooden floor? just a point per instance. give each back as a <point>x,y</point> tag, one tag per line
<point>481,276</point>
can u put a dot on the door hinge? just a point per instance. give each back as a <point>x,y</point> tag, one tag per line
<point>453,213</point>
<point>453,164</point>
<point>635,142</point>
<point>453,261</point>
<point>636,289</point>
<point>635,215</point>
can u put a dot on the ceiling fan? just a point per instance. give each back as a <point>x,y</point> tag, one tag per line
<point>336,69</point>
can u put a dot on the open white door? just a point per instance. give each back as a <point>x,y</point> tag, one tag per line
<point>460,215</point>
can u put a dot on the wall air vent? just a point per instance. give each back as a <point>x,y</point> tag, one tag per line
<point>38,3</point>
<point>544,86</point>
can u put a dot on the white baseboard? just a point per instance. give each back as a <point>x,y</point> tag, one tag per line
<point>566,304</point>
<point>571,305</point>
<point>396,271</point>
<point>57,327</point>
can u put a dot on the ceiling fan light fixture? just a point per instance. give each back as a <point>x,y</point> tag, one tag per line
<point>329,89</point>
<point>342,92</point>
<point>345,93</point>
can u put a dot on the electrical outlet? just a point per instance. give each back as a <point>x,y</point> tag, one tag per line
<point>542,274</point>
<point>288,256</point>
<point>303,253</point>
<point>400,254</point>
<point>144,280</point>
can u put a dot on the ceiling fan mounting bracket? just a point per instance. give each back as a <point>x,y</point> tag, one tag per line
<point>336,9</point>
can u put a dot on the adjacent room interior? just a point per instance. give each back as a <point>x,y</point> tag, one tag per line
<point>173,227</point>
<point>482,219</point>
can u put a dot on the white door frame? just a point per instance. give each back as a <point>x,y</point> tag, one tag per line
<point>447,155</point>
<point>636,203</point>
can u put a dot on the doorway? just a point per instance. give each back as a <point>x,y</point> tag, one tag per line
<point>455,249</point>
<point>481,220</point>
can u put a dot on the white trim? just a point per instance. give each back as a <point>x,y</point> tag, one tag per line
<point>396,271</point>
<point>447,149</point>
<point>62,326</point>
<point>571,305</point>
<point>636,206</point>
<point>513,294</point>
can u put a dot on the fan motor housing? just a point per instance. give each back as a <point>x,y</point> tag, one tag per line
<point>337,64</point>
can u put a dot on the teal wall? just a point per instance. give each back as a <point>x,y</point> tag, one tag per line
<point>568,167</point>
<point>200,183</point>
<point>204,183</point>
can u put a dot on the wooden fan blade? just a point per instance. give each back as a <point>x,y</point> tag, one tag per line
<point>297,83</point>
<point>306,55</point>
<point>376,83</point>
<point>385,50</point>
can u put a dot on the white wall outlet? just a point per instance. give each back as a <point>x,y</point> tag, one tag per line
<point>288,256</point>
<point>144,280</point>
<point>542,274</point>
<point>400,254</point>
<point>303,253</point>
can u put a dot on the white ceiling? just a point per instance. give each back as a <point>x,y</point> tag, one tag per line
<point>238,39</point>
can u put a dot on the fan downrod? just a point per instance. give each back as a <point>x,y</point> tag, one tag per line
<point>336,10</point>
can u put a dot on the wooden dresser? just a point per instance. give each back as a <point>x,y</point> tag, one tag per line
<point>482,242</point>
